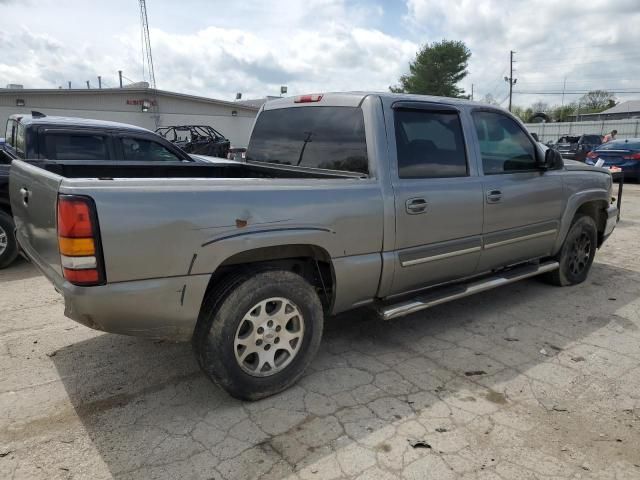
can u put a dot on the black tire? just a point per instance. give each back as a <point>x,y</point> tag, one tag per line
<point>10,251</point>
<point>577,253</point>
<point>226,309</point>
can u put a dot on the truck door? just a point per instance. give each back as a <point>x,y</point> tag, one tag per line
<point>522,203</point>
<point>438,197</point>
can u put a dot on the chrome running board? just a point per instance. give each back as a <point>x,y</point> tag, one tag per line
<point>446,294</point>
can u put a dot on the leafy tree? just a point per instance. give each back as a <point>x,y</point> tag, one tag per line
<point>540,106</point>
<point>436,70</point>
<point>561,113</point>
<point>596,101</point>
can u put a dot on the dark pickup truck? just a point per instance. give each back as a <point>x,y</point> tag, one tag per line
<point>38,137</point>
<point>576,147</point>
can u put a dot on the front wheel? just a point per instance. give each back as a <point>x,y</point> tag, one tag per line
<point>577,253</point>
<point>8,244</point>
<point>258,333</point>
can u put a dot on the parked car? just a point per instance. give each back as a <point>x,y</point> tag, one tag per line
<point>197,139</point>
<point>624,154</point>
<point>576,147</point>
<point>397,202</point>
<point>38,136</point>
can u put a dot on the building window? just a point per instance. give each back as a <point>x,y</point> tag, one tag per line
<point>20,102</point>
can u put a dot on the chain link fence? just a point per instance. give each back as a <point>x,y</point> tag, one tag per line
<point>550,132</point>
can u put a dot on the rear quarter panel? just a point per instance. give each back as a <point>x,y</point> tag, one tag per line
<point>173,227</point>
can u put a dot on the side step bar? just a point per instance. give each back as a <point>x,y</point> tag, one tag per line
<point>446,294</point>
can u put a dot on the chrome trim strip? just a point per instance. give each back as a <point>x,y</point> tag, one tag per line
<point>78,263</point>
<point>412,306</point>
<point>520,239</point>
<point>417,261</point>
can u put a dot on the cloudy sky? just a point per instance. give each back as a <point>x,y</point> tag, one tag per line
<point>216,48</point>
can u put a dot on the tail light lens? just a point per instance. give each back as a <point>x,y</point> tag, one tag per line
<point>79,241</point>
<point>634,156</point>
<point>592,155</point>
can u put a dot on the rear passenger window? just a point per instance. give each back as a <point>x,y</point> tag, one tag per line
<point>72,146</point>
<point>504,146</point>
<point>429,144</point>
<point>141,150</point>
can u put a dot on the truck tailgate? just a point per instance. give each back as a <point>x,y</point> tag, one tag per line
<point>34,195</point>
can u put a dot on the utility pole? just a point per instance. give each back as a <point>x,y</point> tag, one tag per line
<point>88,86</point>
<point>69,84</point>
<point>510,78</point>
<point>120,75</point>
<point>564,86</point>
<point>472,91</point>
<point>99,81</point>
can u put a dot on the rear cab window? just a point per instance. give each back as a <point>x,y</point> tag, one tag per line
<point>143,150</point>
<point>75,146</point>
<point>331,138</point>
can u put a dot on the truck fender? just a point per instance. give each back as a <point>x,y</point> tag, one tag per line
<point>574,203</point>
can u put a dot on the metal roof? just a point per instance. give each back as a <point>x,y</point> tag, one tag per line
<point>112,91</point>
<point>630,106</point>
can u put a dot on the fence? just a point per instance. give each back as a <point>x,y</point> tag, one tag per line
<point>550,132</point>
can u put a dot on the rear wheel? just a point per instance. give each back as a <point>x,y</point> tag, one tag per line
<point>258,333</point>
<point>8,244</point>
<point>577,253</point>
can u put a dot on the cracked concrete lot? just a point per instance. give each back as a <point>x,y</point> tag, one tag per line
<point>525,382</point>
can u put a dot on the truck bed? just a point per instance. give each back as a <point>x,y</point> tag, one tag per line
<point>111,169</point>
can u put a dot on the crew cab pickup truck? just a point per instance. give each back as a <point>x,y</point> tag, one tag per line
<point>39,136</point>
<point>397,202</point>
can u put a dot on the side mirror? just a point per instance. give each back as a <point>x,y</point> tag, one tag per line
<point>552,160</point>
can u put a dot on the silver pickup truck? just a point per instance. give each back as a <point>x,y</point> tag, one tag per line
<point>397,202</point>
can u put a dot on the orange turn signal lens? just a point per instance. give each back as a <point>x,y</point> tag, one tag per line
<point>76,247</point>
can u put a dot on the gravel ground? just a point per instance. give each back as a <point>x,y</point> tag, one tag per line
<point>525,382</point>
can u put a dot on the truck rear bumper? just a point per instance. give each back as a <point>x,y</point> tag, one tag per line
<point>164,308</point>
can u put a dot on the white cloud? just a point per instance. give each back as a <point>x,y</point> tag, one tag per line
<point>588,42</point>
<point>217,48</point>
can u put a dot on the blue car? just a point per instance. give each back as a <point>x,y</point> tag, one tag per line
<point>624,154</point>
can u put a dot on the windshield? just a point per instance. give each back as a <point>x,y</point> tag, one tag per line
<point>620,145</point>
<point>319,137</point>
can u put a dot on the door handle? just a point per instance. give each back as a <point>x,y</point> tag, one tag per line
<point>25,193</point>
<point>414,206</point>
<point>494,196</point>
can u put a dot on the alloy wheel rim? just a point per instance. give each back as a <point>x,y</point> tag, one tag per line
<point>580,254</point>
<point>4,240</point>
<point>269,337</point>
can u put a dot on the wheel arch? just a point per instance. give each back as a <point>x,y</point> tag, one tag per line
<point>312,262</point>
<point>593,203</point>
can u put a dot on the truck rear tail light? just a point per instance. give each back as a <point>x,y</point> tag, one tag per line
<point>79,241</point>
<point>315,97</point>
<point>592,155</point>
<point>633,156</point>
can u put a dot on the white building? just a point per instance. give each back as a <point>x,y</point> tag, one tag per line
<point>144,107</point>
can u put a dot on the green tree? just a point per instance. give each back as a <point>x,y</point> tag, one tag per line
<point>436,70</point>
<point>596,101</point>
<point>561,113</point>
